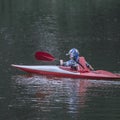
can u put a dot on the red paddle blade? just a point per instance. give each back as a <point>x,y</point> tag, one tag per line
<point>44,56</point>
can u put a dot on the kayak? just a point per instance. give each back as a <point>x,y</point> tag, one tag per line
<point>67,72</point>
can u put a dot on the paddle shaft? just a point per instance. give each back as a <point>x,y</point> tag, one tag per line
<point>79,64</point>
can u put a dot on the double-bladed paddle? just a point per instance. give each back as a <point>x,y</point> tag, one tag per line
<point>44,56</point>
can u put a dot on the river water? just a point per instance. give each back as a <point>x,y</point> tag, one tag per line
<point>56,26</point>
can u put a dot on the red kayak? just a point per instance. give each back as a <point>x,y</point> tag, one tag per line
<point>67,72</point>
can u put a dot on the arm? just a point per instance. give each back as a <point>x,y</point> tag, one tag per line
<point>68,63</point>
<point>62,63</point>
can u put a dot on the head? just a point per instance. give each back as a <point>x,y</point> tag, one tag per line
<point>73,53</point>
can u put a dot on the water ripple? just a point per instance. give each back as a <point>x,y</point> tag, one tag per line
<point>73,97</point>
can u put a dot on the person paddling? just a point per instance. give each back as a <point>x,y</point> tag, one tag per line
<point>76,62</point>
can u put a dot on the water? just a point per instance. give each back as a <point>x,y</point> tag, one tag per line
<point>56,26</point>
<point>47,98</point>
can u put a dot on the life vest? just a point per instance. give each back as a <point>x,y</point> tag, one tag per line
<point>83,67</point>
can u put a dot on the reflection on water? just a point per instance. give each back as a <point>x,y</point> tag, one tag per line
<point>38,97</point>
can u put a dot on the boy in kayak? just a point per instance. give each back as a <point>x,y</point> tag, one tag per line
<point>76,62</point>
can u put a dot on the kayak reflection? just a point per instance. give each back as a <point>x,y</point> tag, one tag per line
<point>47,94</point>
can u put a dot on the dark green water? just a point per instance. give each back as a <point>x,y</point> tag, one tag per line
<point>55,26</point>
